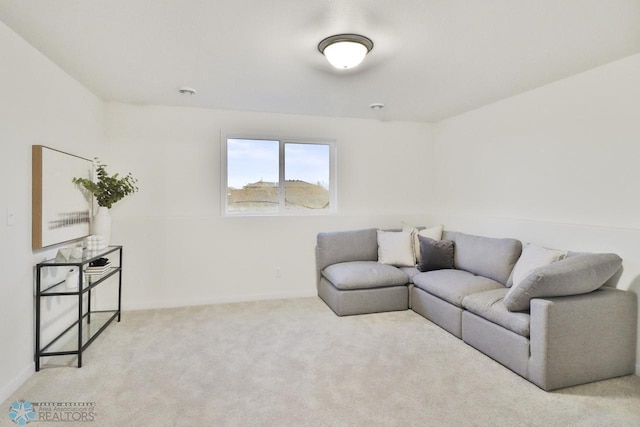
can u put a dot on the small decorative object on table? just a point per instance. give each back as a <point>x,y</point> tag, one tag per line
<point>96,243</point>
<point>98,267</point>
<point>76,253</point>
<point>107,191</point>
<point>64,254</point>
<point>71,282</point>
<point>68,254</point>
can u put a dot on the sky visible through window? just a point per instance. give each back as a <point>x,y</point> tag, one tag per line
<point>250,160</point>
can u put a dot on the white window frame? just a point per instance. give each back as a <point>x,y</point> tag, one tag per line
<point>282,210</point>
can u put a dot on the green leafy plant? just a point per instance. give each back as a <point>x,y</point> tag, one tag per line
<point>108,189</point>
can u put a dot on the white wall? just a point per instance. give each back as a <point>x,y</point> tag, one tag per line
<point>179,250</point>
<point>42,105</point>
<point>559,166</point>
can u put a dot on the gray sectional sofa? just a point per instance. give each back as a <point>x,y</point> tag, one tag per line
<point>558,327</point>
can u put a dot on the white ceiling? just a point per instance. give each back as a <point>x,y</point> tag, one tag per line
<point>432,58</point>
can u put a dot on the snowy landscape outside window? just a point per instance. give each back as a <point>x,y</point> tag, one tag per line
<point>278,176</point>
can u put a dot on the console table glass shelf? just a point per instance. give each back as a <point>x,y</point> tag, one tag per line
<point>89,324</point>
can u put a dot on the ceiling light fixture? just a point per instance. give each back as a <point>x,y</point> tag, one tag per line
<point>345,51</point>
<point>377,106</point>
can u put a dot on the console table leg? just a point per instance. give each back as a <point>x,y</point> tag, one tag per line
<point>80,329</point>
<point>38,278</point>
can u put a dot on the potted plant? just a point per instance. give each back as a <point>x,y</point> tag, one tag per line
<point>107,190</point>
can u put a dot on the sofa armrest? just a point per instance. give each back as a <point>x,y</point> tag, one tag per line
<point>582,338</point>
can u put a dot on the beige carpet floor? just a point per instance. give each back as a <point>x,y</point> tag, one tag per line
<point>294,363</point>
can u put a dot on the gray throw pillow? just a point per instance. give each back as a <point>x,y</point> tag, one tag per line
<point>435,254</point>
<point>579,274</point>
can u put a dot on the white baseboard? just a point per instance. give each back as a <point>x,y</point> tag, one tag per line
<point>149,305</point>
<point>17,381</point>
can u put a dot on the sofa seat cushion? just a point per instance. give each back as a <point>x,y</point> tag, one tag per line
<point>364,275</point>
<point>410,272</point>
<point>490,306</point>
<point>453,285</point>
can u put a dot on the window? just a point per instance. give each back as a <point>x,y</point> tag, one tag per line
<point>278,176</point>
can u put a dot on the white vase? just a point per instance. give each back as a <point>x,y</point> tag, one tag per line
<point>102,224</point>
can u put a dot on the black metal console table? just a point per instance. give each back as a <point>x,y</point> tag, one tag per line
<point>81,333</point>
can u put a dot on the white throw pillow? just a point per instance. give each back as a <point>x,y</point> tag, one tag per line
<point>415,245</point>
<point>396,248</point>
<point>534,256</point>
<point>434,233</point>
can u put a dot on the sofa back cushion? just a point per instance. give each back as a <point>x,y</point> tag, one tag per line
<point>574,275</point>
<point>485,256</point>
<point>345,246</point>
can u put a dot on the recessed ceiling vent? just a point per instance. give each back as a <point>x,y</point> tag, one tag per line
<point>187,91</point>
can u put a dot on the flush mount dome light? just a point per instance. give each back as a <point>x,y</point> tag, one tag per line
<point>345,51</point>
